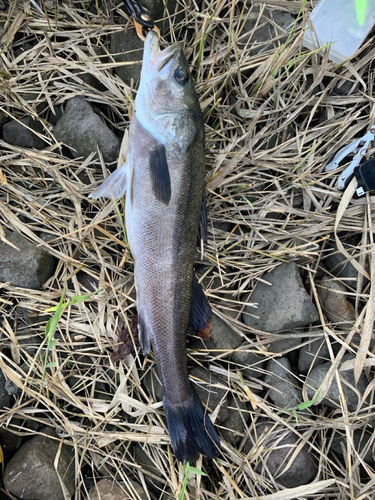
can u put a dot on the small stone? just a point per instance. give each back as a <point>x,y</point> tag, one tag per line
<point>332,400</point>
<point>233,427</point>
<point>245,358</point>
<point>361,441</point>
<point>148,466</point>
<point>9,440</point>
<point>338,264</point>
<point>313,354</point>
<point>18,133</point>
<point>11,388</point>
<point>4,394</point>
<point>31,475</point>
<point>29,267</point>
<point>336,307</point>
<point>285,391</point>
<point>108,489</point>
<point>152,382</point>
<point>279,446</point>
<point>285,344</point>
<point>88,283</point>
<point>283,305</point>
<point>210,392</point>
<point>82,129</point>
<point>223,336</point>
<point>127,48</point>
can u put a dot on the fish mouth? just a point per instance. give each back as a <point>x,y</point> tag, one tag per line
<point>159,59</point>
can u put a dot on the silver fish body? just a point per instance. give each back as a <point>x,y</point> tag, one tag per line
<point>164,179</point>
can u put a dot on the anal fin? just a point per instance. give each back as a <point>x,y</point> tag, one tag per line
<point>201,313</point>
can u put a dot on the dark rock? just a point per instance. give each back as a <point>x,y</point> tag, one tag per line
<point>3,120</point>
<point>233,427</point>
<point>272,24</point>
<point>152,382</point>
<point>31,474</point>
<point>9,440</point>
<point>332,400</point>
<point>108,489</point>
<point>223,336</point>
<point>363,440</point>
<point>17,133</point>
<point>127,48</point>
<point>279,445</point>
<point>337,263</point>
<point>210,392</point>
<point>283,305</point>
<point>245,358</point>
<point>4,394</point>
<point>11,388</point>
<point>336,307</point>
<point>88,283</point>
<point>148,466</point>
<point>285,391</point>
<point>314,353</point>
<point>81,129</point>
<point>28,267</point>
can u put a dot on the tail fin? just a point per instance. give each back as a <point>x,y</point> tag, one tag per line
<point>191,431</point>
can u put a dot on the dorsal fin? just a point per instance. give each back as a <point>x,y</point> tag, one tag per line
<point>161,182</point>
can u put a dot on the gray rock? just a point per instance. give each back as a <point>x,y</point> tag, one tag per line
<point>31,474</point>
<point>82,129</point>
<point>363,440</point>
<point>279,445</point>
<point>17,133</point>
<point>284,305</point>
<point>209,391</point>
<point>108,489</point>
<point>336,307</point>
<point>245,358</point>
<point>317,375</point>
<point>127,48</point>
<point>273,24</point>
<point>233,427</point>
<point>28,267</point>
<point>4,394</point>
<point>285,392</point>
<point>314,353</point>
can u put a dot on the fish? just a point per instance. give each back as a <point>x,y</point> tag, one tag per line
<point>165,209</point>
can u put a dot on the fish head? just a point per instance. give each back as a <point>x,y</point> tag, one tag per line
<point>167,105</point>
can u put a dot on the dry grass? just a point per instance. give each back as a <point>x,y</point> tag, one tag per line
<point>272,124</point>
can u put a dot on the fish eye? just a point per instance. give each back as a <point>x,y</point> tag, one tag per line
<point>182,76</point>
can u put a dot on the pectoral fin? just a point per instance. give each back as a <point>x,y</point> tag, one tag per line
<point>161,182</point>
<point>201,312</point>
<point>116,184</point>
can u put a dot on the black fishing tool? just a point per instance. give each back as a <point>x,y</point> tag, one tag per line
<point>143,22</point>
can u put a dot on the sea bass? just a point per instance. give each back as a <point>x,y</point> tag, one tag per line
<point>163,176</point>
